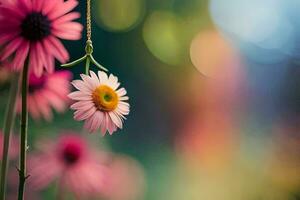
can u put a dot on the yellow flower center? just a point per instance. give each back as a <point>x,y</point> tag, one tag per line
<point>105,98</point>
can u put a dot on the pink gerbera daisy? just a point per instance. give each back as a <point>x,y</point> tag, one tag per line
<point>31,28</point>
<point>70,160</point>
<point>49,90</point>
<point>100,102</point>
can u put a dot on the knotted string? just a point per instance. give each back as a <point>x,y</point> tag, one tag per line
<point>88,57</point>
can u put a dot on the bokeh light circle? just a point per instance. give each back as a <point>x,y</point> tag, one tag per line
<point>259,26</point>
<point>164,36</point>
<point>119,15</point>
<point>211,54</point>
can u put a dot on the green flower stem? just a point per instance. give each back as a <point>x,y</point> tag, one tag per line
<point>8,124</point>
<point>97,64</point>
<point>75,62</point>
<point>87,65</point>
<point>24,125</point>
<point>88,57</point>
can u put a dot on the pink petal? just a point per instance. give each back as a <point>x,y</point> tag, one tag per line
<point>57,102</point>
<point>35,62</point>
<point>25,5</point>
<point>4,38</point>
<point>77,95</point>
<point>117,111</point>
<point>49,6</point>
<point>82,105</point>
<point>11,11</point>
<point>71,26</point>
<point>124,98</point>
<point>80,85</point>
<point>49,64</point>
<point>113,82</point>
<point>37,5</point>
<point>88,123</point>
<point>11,48</point>
<point>102,77</point>
<point>67,34</point>
<point>82,115</point>
<point>116,119</point>
<point>123,108</point>
<point>66,18</point>
<point>42,169</point>
<point>56,48</point>
<point>97,119</point>
<point>32,109</point>
<point>21,55</point>
<point>92,84</point>
<point>104,124</point>
<point>41,54</point>
<point>95,79</point>
<point>121,92</point>
<point>43,106</point>
<point>62,9</point>
<point>111,127</point>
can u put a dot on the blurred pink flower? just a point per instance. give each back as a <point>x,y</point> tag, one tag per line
<point>31,28</point>
<point>70,161</point>
<point>126,180</point>
<point>13,147</point>
<point>12,187</point>
<point>49,90</point>
<point>99,102</point>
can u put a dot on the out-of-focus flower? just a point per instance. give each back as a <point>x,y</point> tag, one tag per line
<point>13,147</point>
<point>49,90</point>
<point>32,28</point>
<point>126,180</point>
<point>12,187</point>
<point>76,167</point>
<point>4,74</point>
<point>100,102</point>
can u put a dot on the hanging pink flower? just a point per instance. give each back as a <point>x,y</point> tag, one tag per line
<point>31,28</point>
<point>100,102</point>
<point>71,162</point>
<point>46,92</point>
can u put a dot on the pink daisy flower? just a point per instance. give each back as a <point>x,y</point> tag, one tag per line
<point>46,92</point>
<point>100,102</point>
<point>72,163</point>
<point>31,28</point>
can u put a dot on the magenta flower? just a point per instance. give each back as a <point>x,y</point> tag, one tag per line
<point>100,102</point>
<point>46,92</point>
<point>70,161</point>
<point>31,28</point>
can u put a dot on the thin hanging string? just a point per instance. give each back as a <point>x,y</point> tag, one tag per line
<point>88,20</point>
<point>88,57</point>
